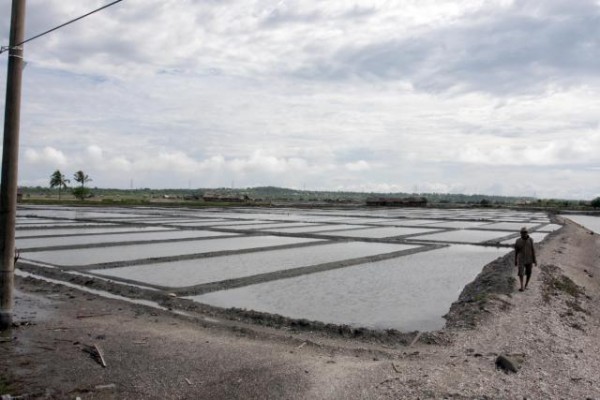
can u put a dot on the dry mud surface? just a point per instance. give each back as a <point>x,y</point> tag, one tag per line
<point>553,328</point>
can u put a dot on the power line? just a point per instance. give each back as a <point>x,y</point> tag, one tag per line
<point>6,48</point>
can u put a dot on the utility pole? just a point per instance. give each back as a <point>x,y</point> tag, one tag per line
<point>10,162</point>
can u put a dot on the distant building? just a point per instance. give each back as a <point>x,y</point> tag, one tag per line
<point>397,201</point>
<point>225,198</point>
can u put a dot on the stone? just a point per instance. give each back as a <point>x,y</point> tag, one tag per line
<point>508,364</point>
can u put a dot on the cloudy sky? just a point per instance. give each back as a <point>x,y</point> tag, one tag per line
<point>461,96</point>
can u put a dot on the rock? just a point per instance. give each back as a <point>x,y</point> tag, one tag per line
<point>508,364</point>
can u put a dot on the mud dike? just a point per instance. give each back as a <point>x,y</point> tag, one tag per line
<point>397,269</point>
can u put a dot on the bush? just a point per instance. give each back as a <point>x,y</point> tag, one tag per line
<point>81,193</point>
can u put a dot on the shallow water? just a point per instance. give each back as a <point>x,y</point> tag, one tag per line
<point>458,224</point>
<point>22,233</point>
<point>24,243</point>
<point>214,269</point>
<point>406,293</point>
<point>536,236</point>
<point>549,228</point>
<point>315,229</point>
<point>509,226</point>
<point>40,221</point>
<point>379,233</point>
<point>98,255</point>
<point>462,236</point>
<point>408,222</point>
<point>589,221</point>
<point>265,226</point>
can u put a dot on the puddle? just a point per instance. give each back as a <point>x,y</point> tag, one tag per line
<point>30,307</point>
<point>100,255</point>
<point>214,269</point>
<point>101,293</point>
<point>406,293</point>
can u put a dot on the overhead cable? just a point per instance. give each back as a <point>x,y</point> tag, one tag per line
<point>6,48</point>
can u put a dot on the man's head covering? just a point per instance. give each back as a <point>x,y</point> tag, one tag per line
<point>524,229</point>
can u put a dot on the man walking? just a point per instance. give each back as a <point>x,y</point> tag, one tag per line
<point>524,257</point>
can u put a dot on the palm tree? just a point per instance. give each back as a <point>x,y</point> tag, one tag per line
<point>82,178</point>
<point>57,179</point>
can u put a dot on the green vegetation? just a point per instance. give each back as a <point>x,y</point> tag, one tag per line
<point>81,192</point>
<point>57,179</point>
<point>595,203</point>
<point>554,284</point>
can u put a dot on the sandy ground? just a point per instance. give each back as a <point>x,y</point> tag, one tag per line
<point>552,328</point>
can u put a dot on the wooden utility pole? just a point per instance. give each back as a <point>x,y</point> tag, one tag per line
<point>10,162</point>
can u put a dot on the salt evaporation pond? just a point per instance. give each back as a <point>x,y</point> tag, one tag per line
<point>98,255</point>
<point>589,221</point>
<point>536,236</point>
<point>408,222</point>
<point>22,233</point>
<point>408,293</point>
<point>462,236</point>
<point>314,229</point>
<point>509,226</point>
<point>264,226</point>
<point>206,223</point>
<point>549,228</point>
<point>214,269</point>
<point>355,220</point>
<point>379,233</point>
<point>24,243</point>
<point>458,224</point>
<point>26,221</point>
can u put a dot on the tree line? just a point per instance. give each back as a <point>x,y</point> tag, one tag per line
<point>59,180</point>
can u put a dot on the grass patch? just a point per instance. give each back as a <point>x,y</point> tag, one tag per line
<point>561,284</point>
<point>567,286</point>
<point>480,297</point>
<point>6,386</point>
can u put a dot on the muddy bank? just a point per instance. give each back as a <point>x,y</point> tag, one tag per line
<point>495,281</point>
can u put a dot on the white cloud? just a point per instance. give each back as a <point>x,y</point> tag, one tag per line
<point>443,95</point>
<point>94,153</point>
<point>48,156</point>
<point>360,165</point>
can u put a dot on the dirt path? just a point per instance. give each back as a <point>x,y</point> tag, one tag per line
<point>153,354</point>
